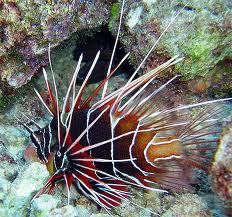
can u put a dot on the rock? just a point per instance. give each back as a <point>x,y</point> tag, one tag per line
<point>69,211</point>
<point>14,136</point>
<point>30,180</point>
<point>4,188</point>
<point>100,215</point>
<point>201,34</point>
<point>42,205</point>
<point>221,171</point>
<point>28,28</point>
<point>143,203</point>
<point>188,205</point>
<point>8,166</point>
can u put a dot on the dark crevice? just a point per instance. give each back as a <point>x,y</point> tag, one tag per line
<point>103,41</point>
<point>186,8</point>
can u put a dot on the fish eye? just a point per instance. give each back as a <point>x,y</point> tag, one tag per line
<point>60,160</point>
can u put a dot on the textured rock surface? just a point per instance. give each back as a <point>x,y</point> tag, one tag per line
<point>188,205</point>
<point>143,204</point>
<point>28,182</point>
<point>48,205</point>
<point>42,205</point>
<point>28,26</point>
<point>201,34</point>
<point>222,167</point>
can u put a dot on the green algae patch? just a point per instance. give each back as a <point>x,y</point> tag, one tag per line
<point>115,11</point>
<point>207,55</point>
<point>199,55</point>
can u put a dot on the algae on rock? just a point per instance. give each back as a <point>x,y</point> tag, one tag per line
<point>200,34</point>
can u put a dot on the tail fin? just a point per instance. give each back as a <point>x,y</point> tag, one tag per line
<point>193,147</point>
<point>201,136</point>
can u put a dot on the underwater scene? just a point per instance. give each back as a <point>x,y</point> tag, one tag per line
<point>116,108</point>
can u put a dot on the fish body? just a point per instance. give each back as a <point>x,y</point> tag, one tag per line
<point>104,149</point>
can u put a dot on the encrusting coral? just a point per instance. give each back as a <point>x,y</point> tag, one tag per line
<point>28,26</point>
<point>222,167</point>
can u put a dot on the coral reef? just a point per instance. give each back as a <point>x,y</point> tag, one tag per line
<point>24,38</point>
<point>43,205</point>
<point>222,167</point>
<point>188,205</point>
<point>201,34</point>
<point>17,196</point>
<point>48,205</point>
<point>28,26</point>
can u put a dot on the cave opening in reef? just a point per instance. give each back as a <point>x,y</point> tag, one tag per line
<point>104,41</point>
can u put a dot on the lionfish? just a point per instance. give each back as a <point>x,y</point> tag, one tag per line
<point>127,138</point>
